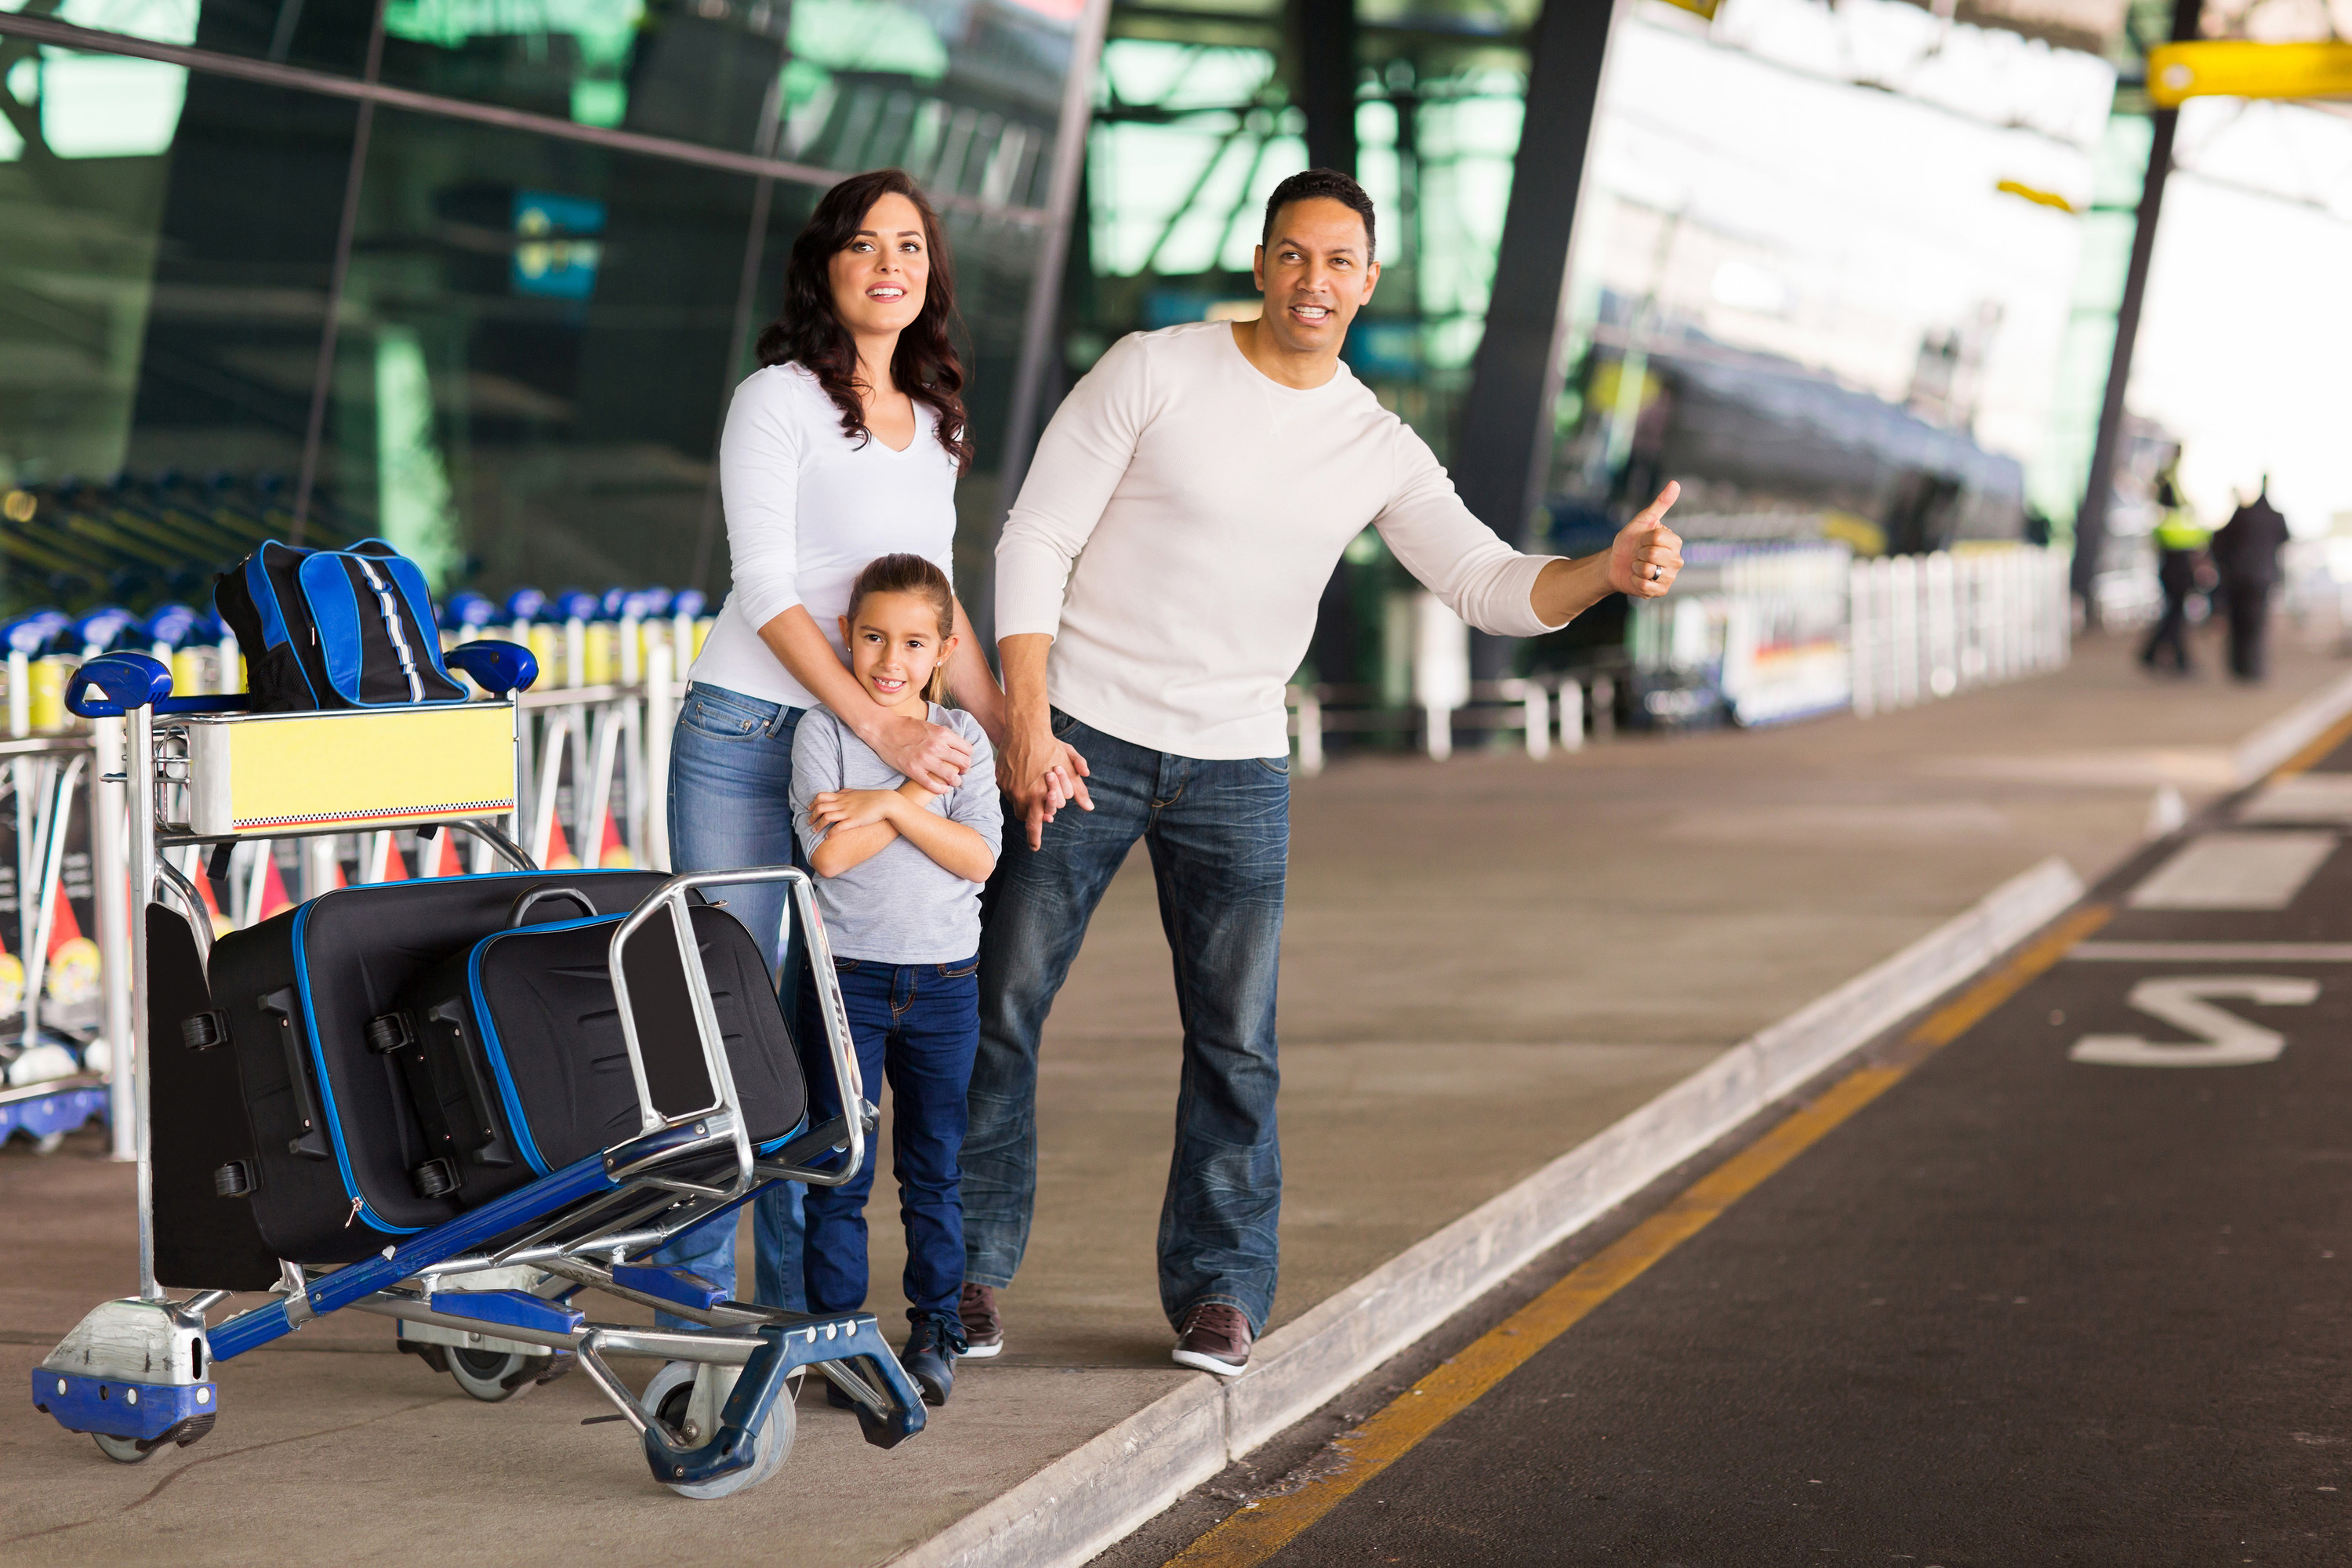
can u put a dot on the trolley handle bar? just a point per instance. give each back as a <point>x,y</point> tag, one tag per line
<point>496,666</point>
<point>841,1052</point>
<point>113,684</point>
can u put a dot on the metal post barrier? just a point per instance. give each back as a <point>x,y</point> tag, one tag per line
<point>1571,713</point>
<point>110,802</point>
<point>1441,671</point>
<point>322,863</point>
<point>1539,719</point>
<point>1306,725</point>
<point>1903,628</point>
<point>1943,625</point>
<point>1863,635</point>
<point>1437,731</point>
<point>661,714</point>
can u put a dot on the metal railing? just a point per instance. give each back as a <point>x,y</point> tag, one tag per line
<point>1893,632</point>
<point>1562,709</point>
<point>593,759</point>
<point>1921,627</point>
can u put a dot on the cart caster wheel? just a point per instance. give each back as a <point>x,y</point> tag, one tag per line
<point>123,1450</point>
<point>49,1143</point>
<point>668,1398</point>
<point>493,1375</point>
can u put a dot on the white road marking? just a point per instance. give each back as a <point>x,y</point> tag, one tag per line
<point>2221,1039</point>
<point>2234,871</point>
<point>2214,951</point>
<point>2301,797</point>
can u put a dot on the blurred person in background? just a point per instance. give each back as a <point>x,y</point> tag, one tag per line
<point>2246,551</point>
<point>2182,570</point>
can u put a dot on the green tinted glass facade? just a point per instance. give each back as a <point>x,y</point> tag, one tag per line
<point>475,274</point>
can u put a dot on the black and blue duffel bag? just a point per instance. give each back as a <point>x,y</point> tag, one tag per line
<point>334,629</point>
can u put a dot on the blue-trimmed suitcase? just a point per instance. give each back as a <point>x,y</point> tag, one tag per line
<point>334,1140</point>
<point>514,1056</point>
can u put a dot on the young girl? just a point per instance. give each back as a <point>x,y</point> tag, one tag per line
<point>899,868</point>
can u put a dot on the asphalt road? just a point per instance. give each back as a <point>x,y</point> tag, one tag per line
<point>2074,1291</point>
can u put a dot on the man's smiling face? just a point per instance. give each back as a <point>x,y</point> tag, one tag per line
<point>1316,274</point>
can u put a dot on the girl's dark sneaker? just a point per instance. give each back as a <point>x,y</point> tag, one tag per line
<point>983,1331</point>
<point>930,1355</point>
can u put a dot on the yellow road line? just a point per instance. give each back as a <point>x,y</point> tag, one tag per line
<point>2309,757</point>
<point>1262,1529</point>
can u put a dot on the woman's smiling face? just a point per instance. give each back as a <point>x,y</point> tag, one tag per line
<point>879,278</point>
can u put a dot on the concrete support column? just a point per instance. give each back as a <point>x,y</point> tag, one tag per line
<point>1323,32</point>
<point>1503,455</point>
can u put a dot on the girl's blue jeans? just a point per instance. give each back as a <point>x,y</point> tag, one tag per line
<point>916,1026</point>
<point>730,784</point>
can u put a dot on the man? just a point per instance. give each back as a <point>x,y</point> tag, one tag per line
<point>1156,585</point>
<point>2180,541</point>
<point>2246,551</point>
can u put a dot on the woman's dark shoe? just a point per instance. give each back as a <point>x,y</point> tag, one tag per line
<point>930,1355</point>
<point>983,1331</point>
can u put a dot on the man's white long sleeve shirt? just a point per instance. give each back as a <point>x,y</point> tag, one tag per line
<point>1182,516</point>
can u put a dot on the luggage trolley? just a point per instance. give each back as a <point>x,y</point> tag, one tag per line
<point>488,1293</point>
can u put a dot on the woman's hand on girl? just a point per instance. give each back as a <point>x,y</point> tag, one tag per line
<point>930,754</point>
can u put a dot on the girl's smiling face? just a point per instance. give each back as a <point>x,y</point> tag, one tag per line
<point>895,644</point>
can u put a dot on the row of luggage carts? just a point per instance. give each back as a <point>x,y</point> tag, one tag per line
<point>580,638</point>
<point>456,1102</point>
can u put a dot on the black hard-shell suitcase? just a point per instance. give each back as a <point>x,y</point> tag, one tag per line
<point>333,1135</point>
<point>515,1059</point>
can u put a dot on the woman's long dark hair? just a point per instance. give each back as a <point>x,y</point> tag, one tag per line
<point>807,333</point>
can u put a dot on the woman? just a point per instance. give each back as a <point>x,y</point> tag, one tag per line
<point>846,445</point>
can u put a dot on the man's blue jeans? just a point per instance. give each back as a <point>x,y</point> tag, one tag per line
<point>915,1024</point>
<point>1219,835</point>
<point>730,784</point>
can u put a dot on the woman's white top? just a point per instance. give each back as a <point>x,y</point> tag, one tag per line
<point>807,507</point>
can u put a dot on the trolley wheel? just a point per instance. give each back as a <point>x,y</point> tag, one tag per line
<point>123,1450</point>
<point>668,1396</point>
<point>493,1375</point>
<point>49,1144</point>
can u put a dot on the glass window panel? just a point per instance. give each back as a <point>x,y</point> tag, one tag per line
<point>706,72</point>
<point>534,354</point>
<point>324,34</point>
<point>163,286</point>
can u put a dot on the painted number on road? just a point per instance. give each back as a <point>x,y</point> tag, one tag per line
<point>2223,1039</point>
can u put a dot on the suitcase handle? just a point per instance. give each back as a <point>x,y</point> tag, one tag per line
<point>524,905</point>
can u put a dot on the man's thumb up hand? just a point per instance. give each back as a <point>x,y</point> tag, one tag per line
<point>1647,554</point>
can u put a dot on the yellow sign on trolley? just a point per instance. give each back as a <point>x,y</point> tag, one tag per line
<point>292,772</point>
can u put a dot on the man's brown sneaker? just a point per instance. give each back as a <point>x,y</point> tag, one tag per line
<point>983,1331</point>
<point>1214,1338</point>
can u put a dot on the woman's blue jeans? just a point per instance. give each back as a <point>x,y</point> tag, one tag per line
<point>915,1026</point>
<point>731,786</point>
<point>1219,835</point>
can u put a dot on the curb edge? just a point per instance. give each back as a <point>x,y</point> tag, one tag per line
<point>1100,1492</point>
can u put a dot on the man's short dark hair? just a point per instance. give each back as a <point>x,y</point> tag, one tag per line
<point>1328,184</point>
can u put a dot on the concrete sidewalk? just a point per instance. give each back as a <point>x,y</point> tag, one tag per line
<point>1486,962</point>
